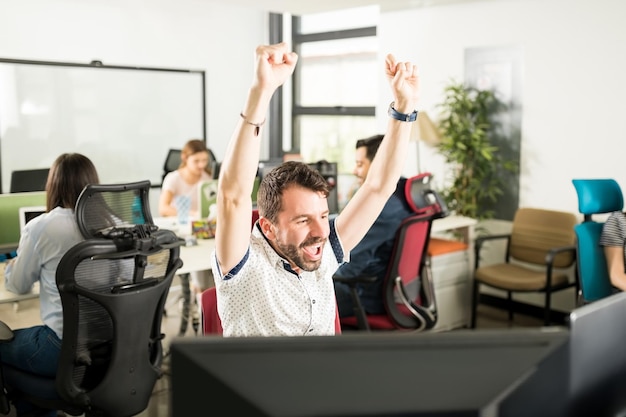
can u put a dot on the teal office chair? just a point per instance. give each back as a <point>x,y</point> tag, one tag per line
<point>595,196</point>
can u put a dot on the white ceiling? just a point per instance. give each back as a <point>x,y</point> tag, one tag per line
<point>299,7</point>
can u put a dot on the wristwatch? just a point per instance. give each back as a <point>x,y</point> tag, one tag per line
<point>403,117</point>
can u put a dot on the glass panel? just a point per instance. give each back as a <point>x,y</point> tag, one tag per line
<point>358,17</point>
<point>334,73</point>
<point>333,138</point>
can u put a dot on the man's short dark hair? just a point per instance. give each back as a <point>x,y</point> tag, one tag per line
<point>372,143</point>
<point>288,174</point>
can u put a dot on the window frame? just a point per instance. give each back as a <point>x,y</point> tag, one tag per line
<point>276,110</point>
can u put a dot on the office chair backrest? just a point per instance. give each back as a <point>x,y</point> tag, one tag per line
<point>113,288</point>
<point>103,209</point>
<point>407,264</point>
<point>595,196</point>
<point>422,199</point>
<point>536,231</point>
<point>173,160</point>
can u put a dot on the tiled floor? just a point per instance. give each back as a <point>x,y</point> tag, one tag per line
<point>27,313</point>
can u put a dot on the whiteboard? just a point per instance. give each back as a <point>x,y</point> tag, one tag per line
<point>125,119</point>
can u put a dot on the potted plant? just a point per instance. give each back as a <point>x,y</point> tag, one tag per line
<point>476,166</point>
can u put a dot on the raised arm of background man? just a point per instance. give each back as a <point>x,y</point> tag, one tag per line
<point>274,64</point>
<point>365,206</point>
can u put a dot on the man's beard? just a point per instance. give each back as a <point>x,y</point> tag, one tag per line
<point>295,254</point>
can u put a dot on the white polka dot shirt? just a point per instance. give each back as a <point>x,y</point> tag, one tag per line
<point>263,296</point>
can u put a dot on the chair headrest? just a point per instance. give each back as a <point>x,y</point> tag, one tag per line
<point>100,208</point>
<point>596,196</point>
<point>422,198</point>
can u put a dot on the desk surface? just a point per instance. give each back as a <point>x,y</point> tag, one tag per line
<point>198,257</point>
<point>452,222</point>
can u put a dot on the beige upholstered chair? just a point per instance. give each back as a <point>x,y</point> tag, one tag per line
<point>540,249</point>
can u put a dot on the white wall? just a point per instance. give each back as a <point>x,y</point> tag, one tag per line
<point>573,83</point>
<point>193,34</point>
<point>573,91</point>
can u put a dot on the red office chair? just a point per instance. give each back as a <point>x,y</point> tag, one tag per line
<point>408,290</point>
<point>211,323</point>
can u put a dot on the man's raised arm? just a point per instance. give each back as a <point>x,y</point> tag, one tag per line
<point>274,64</point>
<point>382,177</point>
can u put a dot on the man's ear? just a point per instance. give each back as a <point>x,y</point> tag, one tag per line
<point>267,228</point>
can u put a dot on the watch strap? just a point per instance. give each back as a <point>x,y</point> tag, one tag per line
<point>403,117</point>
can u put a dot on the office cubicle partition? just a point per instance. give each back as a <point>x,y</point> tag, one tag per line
<point>10,218</point>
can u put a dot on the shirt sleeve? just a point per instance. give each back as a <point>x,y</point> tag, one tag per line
<point>169,182</point>
<point>614,230</point>
<point>23,272</point>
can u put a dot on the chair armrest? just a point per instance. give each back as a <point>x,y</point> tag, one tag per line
<point>359,311</point>
<point>352,281</point>
<point>552,253</point>
<point>478,245</point>
<point>6,334</point>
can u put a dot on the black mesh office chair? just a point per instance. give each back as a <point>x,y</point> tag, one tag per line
<point>113,288</point>
<point>173,159</point>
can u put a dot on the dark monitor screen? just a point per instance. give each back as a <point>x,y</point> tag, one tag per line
<point>462,373</point>
<point>598,357</point>
<point>29,180</point>
<point>268,165</point>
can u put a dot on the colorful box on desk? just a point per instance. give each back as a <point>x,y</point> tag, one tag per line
<point>203,229</point>
<point>451,269</point>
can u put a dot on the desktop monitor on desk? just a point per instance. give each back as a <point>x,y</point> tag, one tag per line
<point>462,373</point>
<point>27,180</point>
<point>327,169</point>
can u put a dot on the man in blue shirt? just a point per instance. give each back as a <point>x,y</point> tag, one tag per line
<point>371,255</point>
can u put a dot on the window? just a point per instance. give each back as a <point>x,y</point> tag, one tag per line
<point>335,87</point>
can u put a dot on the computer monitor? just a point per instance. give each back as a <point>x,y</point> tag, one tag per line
<point>597,380</point>
<point>207,197</point>
<point>267,165</point>
<point>461,373</point>
<point>29,180</point>
<point>329,172</point>
<point>28,213</point>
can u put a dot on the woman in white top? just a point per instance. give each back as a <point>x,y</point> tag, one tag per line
<point>194,169</point>
<point>43,242</point>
